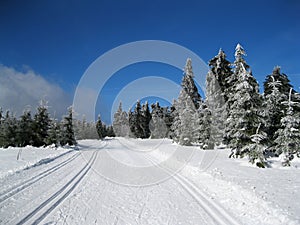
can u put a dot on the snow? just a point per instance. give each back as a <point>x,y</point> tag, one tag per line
<point>63,186</point>
<point>29,156</point>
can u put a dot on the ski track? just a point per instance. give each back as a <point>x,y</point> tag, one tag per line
<point>25,184</point>
<point>211,207</point>
<point>67,188</point>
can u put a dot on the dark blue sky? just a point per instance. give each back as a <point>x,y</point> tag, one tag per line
<point>60,39</point>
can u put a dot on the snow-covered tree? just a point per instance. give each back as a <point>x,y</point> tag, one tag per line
<point>55,134</point>
<point>288,136</point>
<point>136,121</point>
<point>158,126</point>
<point>8,130</point>
<point>273,109</point>
<point>245,102</point>
<point>25,130</point>
<point>41,125</point>
<point>117,123</point>
<point>186,121</point>
<point>256,149</point>
<point>68,135</point>
<point>216,93</point>
<point>146,118</point>
<point>220,69</point>
<point>188,84</point>
<point>100,128</point>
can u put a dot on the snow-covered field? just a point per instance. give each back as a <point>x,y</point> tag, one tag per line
<point>128,181</point>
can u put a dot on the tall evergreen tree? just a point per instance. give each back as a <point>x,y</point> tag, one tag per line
<point>158,124</point>
<point>188,84</point>
<point>25,134</point>
<point>55,134</point>
<point>68,135</point>
<point>273,109</point>
<point>216,95</point>
<point>186,123</point>
<point>244,116</point>
<point>136,120</point>
<point>117,123</point>
<point>41,125</point>
<point>8,131</point>
<point>100,128</point>
<point>288,136</point>
<point>146,118</point>
<point>220,69</point>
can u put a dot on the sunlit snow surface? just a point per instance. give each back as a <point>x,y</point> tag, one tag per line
<point>67,186</point>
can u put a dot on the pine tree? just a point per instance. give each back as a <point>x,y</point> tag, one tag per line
<point>117,123</point>
<point>216,95</point>
<point>288,136</point>
<point>41,125</point>
<point>273,109</point>
<point>186,123</point>
<point>256,149</point>
<point>188,84</point>
<point>25,134</point>
<point>136,120</point>
<point>100,128</point>
<point>8,132</point>
<point>55,135</point>
<point>146,118</point>
<point>176,123</point>
<point>158,124</point>
<point>245,102</point>
<point>68,135</point>
<point>220,69</point>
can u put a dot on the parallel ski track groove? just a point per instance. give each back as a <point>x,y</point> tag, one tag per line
<point>80,175</point>
<point>215,211</point>
<point>25,184</point>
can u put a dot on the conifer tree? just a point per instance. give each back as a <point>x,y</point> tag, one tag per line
<point>245,102</point>
<point>100,128</point>
<point>25,130</point>
<point>188,84</point>
<point>146,118</point>
<point>220,69</point>
<point>68,136</point>
<point>273,109</point>
<point>41,125</point>
<point>288,136</point>
<point>117,123</point>
<point>55,135</point>
<point>158,124</point>
<point>216,95</point>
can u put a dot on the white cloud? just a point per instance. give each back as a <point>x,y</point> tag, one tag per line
<point>20,90</point>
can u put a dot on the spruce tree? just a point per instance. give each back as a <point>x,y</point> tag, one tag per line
<point>41,125</point>
<point>55,134</point>
<point>100,128</point>
<point>220,69</point>
<point>245,102</point>
<point>288,136</point>
<point>25,134</point>
<point>146,118</point>
<point>117,123</point>
<point>8,132</point>
<point>217,87</point>
<point>136,120</point>
<point>273,109</point>
<point>188,84</point>
<point>68,135</point>
<point>158,126</point>
<point>186,123</point>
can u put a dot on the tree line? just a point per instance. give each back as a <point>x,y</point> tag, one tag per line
<point>233,113</point>
<point>43,130</point>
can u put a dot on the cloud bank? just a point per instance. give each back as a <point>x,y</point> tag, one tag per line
<point>23,90</point>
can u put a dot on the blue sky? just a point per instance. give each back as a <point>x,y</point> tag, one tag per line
<point>58,40</point>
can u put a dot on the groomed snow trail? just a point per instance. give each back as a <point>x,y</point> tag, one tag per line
<point>72,189</point>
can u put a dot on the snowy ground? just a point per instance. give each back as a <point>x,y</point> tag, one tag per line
<point>120,181</point>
